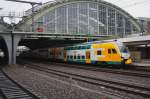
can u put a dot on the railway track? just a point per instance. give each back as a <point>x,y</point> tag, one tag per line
<point>138,68</point>
<point>114,85</point>
<point>9,89</point>
<point>131,71</point>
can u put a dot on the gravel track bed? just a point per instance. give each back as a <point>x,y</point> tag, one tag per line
<point>141,81</point>
<point>50,86</point>
<point>127,95</point>
<point>125,71</point>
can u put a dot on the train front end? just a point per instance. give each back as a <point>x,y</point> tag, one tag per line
<point>125,55</point>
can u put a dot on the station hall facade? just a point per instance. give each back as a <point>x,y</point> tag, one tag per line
<point>91,17</point>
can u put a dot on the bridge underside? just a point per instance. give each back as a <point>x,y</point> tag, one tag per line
<point>137,43</point>
<point>47,43</point>
<point>3,47</point>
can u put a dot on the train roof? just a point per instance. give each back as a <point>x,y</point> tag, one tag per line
<point>103,41</point>
<point>96,42</point>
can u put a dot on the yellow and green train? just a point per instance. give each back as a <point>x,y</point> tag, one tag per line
<point>112,53</point>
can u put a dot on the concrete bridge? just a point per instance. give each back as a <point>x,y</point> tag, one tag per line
<point>33,40</point>
<point>136,40</point>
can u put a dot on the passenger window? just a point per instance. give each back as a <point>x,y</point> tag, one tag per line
<point>51,53</point>
<point>114,51</point>
<point>71,57</point>
<point>99,52</point>
<point>74,57</point>
<point>109,51</point>
<point>59,53</point>
<point>84,47</point>
<point>78,57</point>
<point>83,57</point>
<point>68,57</point>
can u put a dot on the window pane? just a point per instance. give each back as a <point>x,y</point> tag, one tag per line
<point>78,57</point>
<point>109,51</point>
<point>74,57</point>
<point>99,52</point>
<point>83,57</point>
<point>68,57</point>
<point>71,57</point>
<point>114,51</point>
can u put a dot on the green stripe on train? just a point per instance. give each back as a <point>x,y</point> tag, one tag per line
<point>77,61</point>
<point>94,62</point>
<point>105,62</point>
<point>115,63</point>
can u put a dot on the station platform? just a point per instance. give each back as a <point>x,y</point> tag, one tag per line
<point>145,63</point>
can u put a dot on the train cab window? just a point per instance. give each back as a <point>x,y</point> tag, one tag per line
<point>99,52</point>
<point>109,51</point>
<point>125,50</point>
<point>114,51</point>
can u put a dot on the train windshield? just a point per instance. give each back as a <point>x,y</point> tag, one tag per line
<point>124,49</point>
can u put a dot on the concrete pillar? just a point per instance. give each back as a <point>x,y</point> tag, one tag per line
<point>16,39</point>
<point>11,43</point>
<point>8,41</point>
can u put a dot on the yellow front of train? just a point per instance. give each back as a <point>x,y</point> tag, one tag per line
<point>125,55</point>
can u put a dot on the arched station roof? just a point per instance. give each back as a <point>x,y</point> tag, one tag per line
<point>50,6</point>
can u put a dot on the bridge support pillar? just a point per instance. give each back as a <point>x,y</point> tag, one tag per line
<point>11,43</point>
<point>15,40</point>
<point>8,41</point>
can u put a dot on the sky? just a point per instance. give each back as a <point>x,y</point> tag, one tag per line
<point>137,8</point>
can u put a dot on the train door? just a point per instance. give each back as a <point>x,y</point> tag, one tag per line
<point>109,54</point>
<point>88,57</point>
<point>65,56</point>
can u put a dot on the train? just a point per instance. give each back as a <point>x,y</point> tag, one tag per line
<point>108,53</point>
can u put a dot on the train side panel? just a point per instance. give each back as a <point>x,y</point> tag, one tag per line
<point>105,53</point>
<point>56,53</point>
<point>90,53</point>
<point>76,56</point>
<point>80,54</point>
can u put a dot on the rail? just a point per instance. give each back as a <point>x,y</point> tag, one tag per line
<point>10,89</point>
<point>114,85</point>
